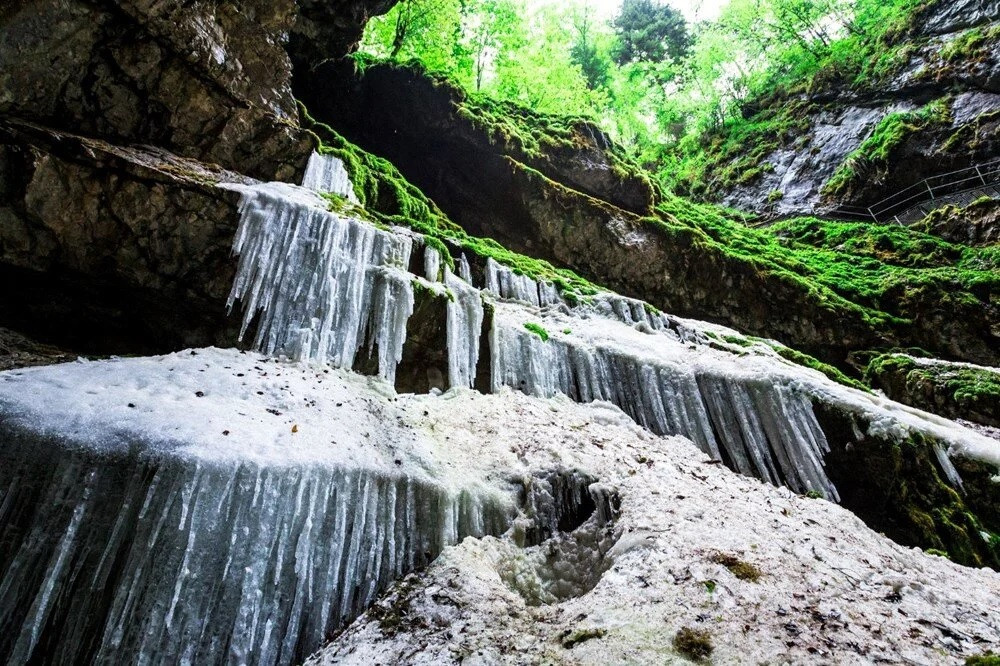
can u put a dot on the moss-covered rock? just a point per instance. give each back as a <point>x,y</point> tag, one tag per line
<point>897,486</point>
<point>977,224</point>
<point>951,389</point>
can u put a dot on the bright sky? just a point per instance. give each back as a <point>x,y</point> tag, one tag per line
<point>694,10</point>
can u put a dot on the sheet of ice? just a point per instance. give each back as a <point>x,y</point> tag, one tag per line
<point>432,264</point>
<point>761,426</point>
<point>326,173</point>
<point>319,286</point>
<point>214,506</point>
<point>465,325</point>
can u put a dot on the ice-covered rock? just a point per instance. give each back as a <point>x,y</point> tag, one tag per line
<point>324,285</point>
<point>213,507</point>
<point>771,577</point>
<point>326,173</point>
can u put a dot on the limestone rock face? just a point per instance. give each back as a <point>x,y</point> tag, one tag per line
<point>953,62</point>
<point>110,249</point>
<point>453,148</point>
<point>208,80</point>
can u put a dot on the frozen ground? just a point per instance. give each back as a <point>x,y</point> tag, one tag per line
<point>830,590</point>
<point>617,589</point>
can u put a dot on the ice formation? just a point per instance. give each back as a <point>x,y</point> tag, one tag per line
<point>326,173</point>
<point>432,264</point>
<point>465,324</point>
<point>324,285</point>
<point>173,527</point>
<point>758,427</point>
<point>503,282</point>
<point>830,590</point>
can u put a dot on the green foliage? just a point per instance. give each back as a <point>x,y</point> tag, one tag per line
<point>651,32</point>
<point>691,102</point>
<point>538,330</point>
<point>873,153</point>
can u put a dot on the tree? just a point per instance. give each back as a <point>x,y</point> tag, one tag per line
<point>425,30</point>
<point>585,53</point>
<point>650,32</point>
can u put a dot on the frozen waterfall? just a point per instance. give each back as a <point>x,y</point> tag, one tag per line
<point>327,286</point>
<point>760,426</point>
<point>324,285</point>
<point>119,543</point>
<point>326,173</point>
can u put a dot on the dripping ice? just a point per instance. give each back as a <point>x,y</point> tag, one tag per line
<point>761,424</point>
<point>319,286</point>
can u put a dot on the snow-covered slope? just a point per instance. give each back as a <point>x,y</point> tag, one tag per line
<point>323,286</point>
<point>771,576</point>
<point>215,503</point>
<point>227,506</point>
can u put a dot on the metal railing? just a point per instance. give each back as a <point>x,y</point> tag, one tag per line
<point>943,187</point>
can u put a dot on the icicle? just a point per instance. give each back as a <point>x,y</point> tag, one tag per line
<point>465,324</point>
<point>762,429</point>
<point>947,467</point>
<point>326,173</point>
<point>503,282</point>
<point>432,264</point>
<point>323,284</point>
<point>464,270</point>
<point>180,561</point>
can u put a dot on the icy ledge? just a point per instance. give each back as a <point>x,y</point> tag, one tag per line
<point>683,550</point>
<point>321,287</point>
<point>213,506</point>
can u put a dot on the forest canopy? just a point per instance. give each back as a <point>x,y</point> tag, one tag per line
<point>661,85</point>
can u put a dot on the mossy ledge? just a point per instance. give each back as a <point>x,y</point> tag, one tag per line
<point>954,390</point>
<point>895,485</point>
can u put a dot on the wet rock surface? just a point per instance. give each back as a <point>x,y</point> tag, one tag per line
<point>837,118</point>
<point>204,79</point>
<point>112,250</point>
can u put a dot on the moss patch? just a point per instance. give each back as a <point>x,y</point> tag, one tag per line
<point>538,330</point>
<point>871,158</point>
<point>694,644</point>
<point>896,486</point>
<point>739,568</point>
<point>953,390</point>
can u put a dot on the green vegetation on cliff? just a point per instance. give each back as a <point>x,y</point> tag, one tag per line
<point>952,389</point>
<point>872,156</point>
<point>889,274</point>
<point>700,103</point>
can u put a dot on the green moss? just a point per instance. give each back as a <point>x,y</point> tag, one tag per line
<point>952,389</point>
<point>389,199</point>
<point>735,154</point>
<point>538,330</point>
<point>985,659</point>
<point>874,152</point>
<point>737,567</point>
<point>577,636</point>
<point>884,275</point>
<point>805,360</point>
<point>380,188</point>
<point>970,46</point>
<point>896,485</point>
<point>695,644</point>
